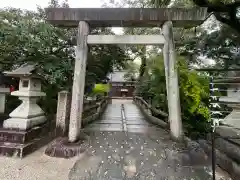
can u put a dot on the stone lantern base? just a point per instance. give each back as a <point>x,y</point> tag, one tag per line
<point>26,130</point>
<point>23,124</point>
<point>27,115</point>
<point>19,143</point>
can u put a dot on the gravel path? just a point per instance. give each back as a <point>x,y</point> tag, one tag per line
<point>36,166</point>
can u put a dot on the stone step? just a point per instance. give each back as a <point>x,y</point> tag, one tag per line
<point>21,137</point>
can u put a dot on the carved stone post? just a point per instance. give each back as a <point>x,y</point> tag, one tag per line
<point>63,112</point>
<point>78,82</point>
<point>171,70</point>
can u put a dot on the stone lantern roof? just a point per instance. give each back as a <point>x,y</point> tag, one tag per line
<point>26,70</point>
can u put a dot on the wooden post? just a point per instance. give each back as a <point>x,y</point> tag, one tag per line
<point>78,82</point>
<point>171,70</point>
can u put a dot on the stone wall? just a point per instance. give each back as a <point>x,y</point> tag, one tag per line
<point>148,110</point>
<point>227,145</point>
<point>92,110</point>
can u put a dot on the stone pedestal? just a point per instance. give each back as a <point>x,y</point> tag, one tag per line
<point>26,115</point>
<point>19,143</point>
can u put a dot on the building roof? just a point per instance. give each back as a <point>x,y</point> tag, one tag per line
<point>24,70</point>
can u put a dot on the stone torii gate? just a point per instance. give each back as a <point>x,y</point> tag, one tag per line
<point>83,18</point>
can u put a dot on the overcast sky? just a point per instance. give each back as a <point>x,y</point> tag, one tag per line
<point>31,4</point>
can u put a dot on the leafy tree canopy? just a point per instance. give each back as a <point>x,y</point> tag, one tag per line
<point>26,37</point>
<point>225,11</point>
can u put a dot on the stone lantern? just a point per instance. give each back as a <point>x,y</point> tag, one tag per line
<point>28,114</point>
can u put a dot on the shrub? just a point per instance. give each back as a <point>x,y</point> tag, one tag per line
<point>193,91</point>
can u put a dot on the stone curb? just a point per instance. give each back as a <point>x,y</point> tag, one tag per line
<point>222,160</point>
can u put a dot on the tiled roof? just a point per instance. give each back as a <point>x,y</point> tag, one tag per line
<point>24,70</point>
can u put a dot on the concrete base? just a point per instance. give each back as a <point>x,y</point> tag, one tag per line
<point>62,148</point>
<point>23,124</point>
<point>20,143</point>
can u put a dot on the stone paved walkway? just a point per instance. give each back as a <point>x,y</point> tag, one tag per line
<point>123,146</point>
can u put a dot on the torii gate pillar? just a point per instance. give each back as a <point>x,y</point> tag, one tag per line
<point>172,84</point>
<point>78,82</point>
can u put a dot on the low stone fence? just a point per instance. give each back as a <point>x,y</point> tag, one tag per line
<point>92,110</point>
<point>148,112</point>
<point>227,145</point>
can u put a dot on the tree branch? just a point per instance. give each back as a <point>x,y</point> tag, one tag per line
<point>230,22</point>
<point>218,7</point>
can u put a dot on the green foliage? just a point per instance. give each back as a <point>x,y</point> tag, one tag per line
<point>193,92</point>
<point>101,88</point>
<point>225,11</point>
<point>26,37</point>
<point>132,69</point>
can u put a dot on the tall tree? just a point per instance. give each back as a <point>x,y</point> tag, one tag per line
<point>26,37</point>
<point>54,4</point>
<point>225,11</point>
<point>132,69</point>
